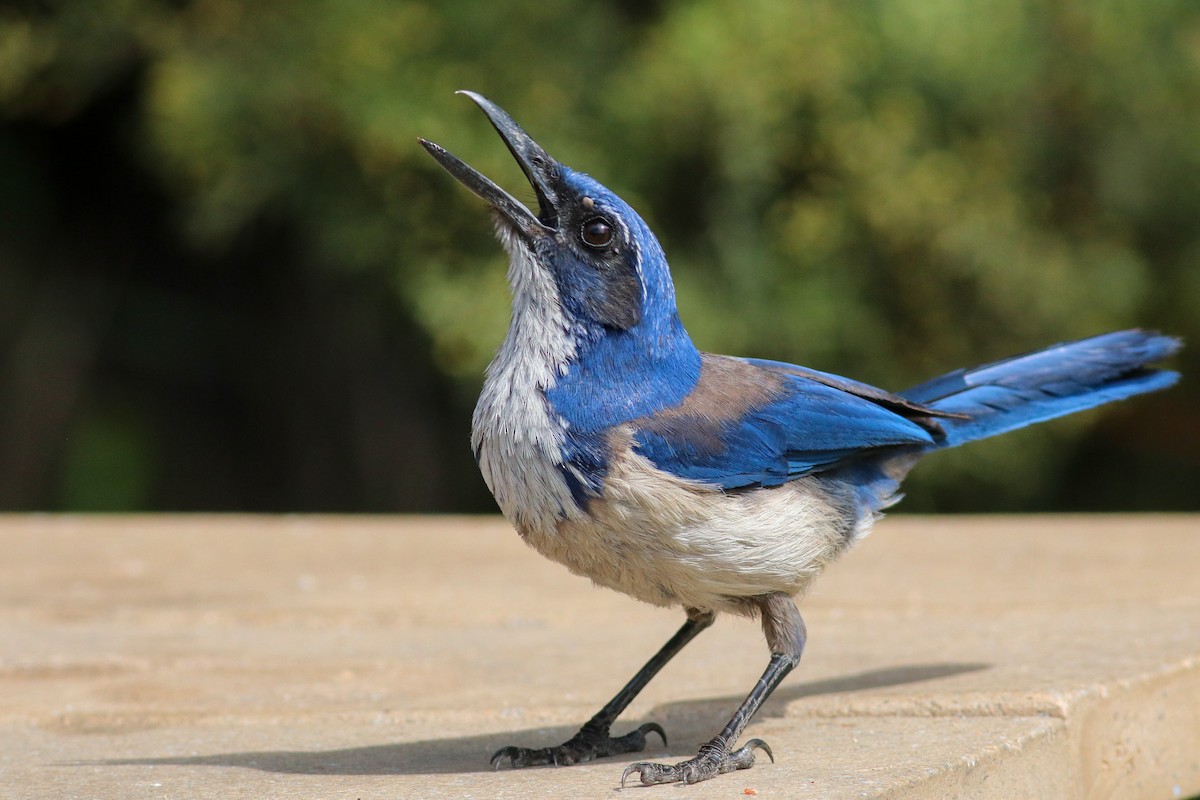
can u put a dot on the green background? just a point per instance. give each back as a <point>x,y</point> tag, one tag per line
<point>230,278</point>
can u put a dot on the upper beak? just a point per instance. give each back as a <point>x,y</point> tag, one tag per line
<point>539,168</point>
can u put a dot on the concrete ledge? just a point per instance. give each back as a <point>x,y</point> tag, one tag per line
<point>275,657</point>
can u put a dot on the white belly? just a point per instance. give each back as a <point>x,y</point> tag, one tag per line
<point>671,541</point>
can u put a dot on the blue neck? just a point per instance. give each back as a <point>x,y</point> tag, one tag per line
<point>618,376</point>
<point>619,372</point>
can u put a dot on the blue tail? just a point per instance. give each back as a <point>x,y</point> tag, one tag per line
<point>1069,377</point>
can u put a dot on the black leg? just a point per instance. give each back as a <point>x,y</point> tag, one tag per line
<point>785,634</point>
<point>593,739</point>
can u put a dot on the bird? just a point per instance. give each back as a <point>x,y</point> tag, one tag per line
<point>711,483</point>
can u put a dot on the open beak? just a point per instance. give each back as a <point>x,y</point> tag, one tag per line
<point>541,170</point>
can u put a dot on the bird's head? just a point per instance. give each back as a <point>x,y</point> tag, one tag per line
<point>608,271</point>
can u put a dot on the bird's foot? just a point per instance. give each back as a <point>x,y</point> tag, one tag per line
<point>713,759</point>
<point>592,741</point>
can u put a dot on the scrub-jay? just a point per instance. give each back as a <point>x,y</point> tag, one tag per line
<point>714,483</point>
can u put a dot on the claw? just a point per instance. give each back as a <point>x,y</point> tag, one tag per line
<point>749,747</point>
<point>505,752</point>
<point>654,726</point>
<point>632,768</point>
<point>650,773</point>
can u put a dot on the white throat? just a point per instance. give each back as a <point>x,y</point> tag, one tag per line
<point>515,433</point>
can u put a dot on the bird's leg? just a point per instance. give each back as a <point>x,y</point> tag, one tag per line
<point>593,739</point>
<point>785,634</point>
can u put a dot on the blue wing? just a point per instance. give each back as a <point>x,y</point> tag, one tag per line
<point>750,423</point>
<point>760,423</point>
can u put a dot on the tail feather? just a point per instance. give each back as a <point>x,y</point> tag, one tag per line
<point>1069,377</point>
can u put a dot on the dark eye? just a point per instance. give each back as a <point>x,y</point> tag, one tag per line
<point>596,232</point>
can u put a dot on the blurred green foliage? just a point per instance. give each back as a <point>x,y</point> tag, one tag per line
<point>882,189</point>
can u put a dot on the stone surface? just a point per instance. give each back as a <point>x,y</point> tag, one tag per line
<point>349,657</point>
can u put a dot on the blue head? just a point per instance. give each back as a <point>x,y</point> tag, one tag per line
<point>588,254</point>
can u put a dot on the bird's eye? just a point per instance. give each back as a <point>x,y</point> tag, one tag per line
<point>596,232</point>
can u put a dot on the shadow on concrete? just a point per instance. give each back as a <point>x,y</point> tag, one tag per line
<point>688,722</point>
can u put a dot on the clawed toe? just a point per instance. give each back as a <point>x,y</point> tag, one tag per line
<point>635,740</point>
<point>714,759</point>
<point>514,754</point>
<point>591,742</point>
<point>747,751</point>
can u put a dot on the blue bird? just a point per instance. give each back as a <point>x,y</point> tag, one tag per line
<point>707,482</point>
